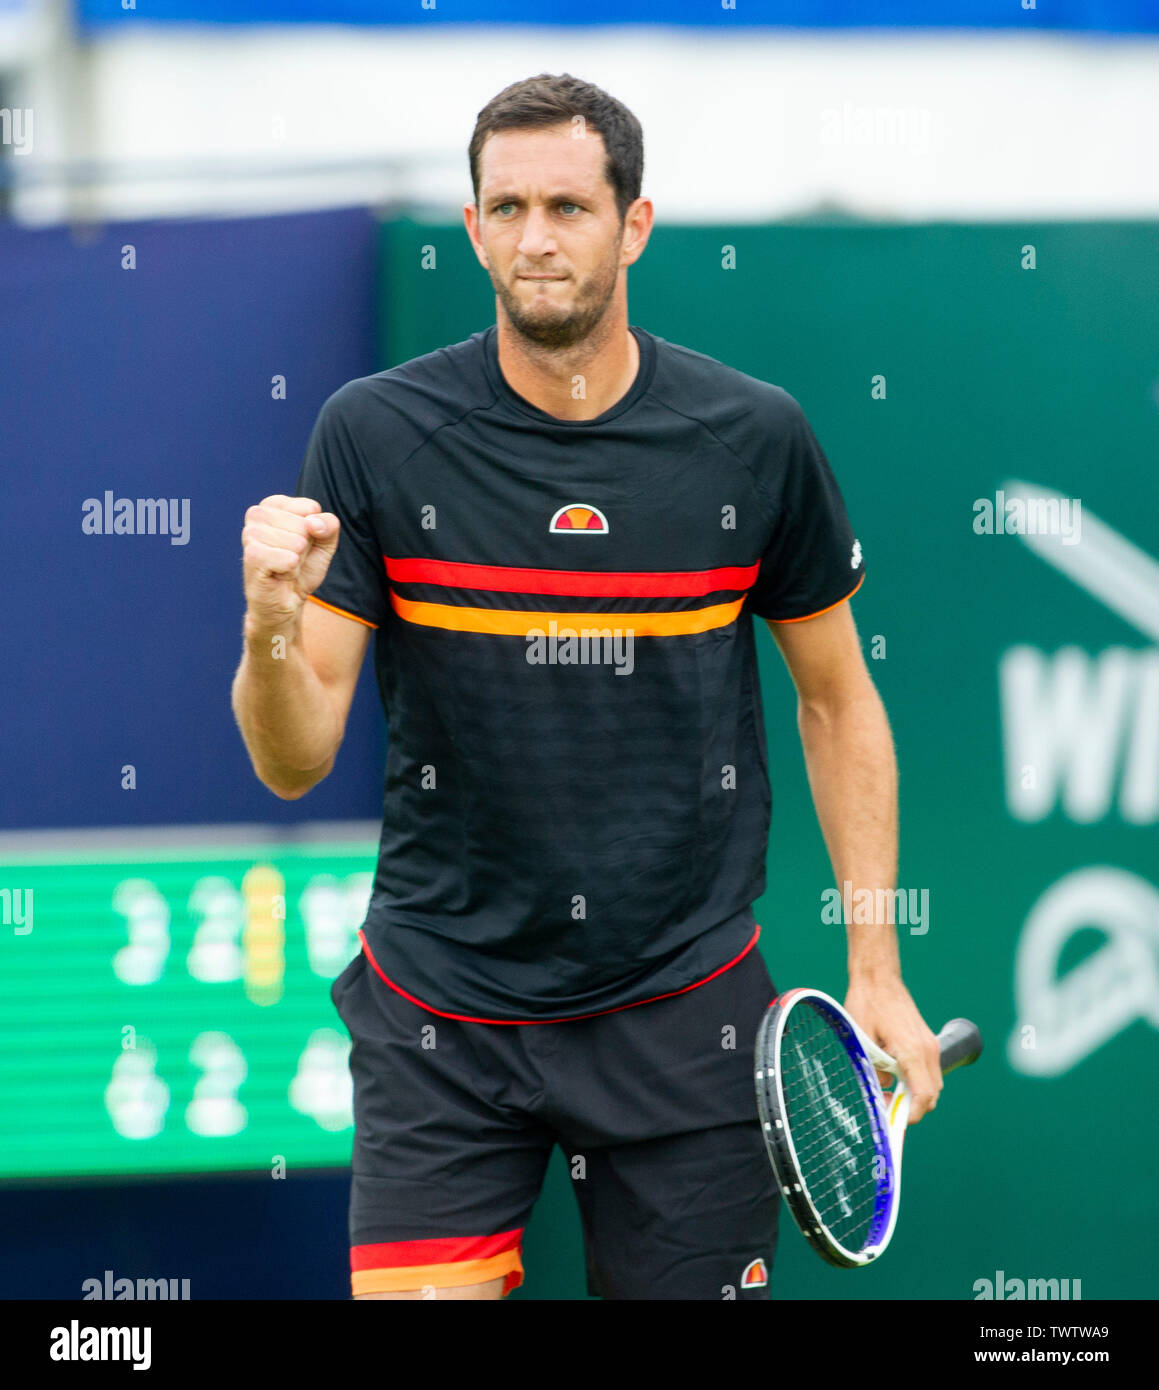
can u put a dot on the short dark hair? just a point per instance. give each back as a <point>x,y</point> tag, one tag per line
<point>547,100</point>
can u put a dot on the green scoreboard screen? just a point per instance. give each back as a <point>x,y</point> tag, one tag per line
<point>165,1007</point>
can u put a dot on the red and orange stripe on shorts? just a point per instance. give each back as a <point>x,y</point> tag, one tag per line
<point>396,1265</point>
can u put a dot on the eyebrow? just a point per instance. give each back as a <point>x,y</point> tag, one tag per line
<point>495,199</point>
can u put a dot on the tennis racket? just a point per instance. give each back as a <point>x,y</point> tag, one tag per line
<point>833,1140</point>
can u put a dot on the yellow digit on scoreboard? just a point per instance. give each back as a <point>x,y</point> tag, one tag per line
<point>264,934</point>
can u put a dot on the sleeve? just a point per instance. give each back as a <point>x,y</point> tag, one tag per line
<point>334,474</point>
<point>813,560</point>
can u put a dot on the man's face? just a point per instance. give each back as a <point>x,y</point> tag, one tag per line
<point>550,232</point>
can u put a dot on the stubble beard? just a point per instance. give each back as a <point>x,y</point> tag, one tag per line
<point>561,330</point>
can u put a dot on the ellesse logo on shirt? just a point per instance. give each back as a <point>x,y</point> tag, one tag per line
<point>576,519</point>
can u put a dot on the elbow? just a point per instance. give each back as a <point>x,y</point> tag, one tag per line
<point>290,791</point>
<point>287,793</point>
<point>301,784</point>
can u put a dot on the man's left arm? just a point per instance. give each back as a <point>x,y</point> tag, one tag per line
<point>852,769</point>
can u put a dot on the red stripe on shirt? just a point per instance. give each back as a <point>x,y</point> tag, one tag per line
<point>507,579</point>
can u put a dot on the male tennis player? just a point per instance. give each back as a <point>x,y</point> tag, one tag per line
<point>559,532</point>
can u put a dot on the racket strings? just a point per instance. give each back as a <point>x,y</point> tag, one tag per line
<point>833,1125</point>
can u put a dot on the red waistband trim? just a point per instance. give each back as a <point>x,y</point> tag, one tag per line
<point>570,1018</point>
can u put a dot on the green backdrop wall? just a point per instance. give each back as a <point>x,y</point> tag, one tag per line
<point>1020,673</point>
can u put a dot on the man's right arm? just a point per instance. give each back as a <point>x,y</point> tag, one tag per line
<point>300,662</point>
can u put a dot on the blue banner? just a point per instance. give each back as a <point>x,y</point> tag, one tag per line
<point>1107,16</point>
<point>180,365</point>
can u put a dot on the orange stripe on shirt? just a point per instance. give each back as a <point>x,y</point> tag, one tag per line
<point>515,623</point>
<point>323,604</point>
<point>804,618</point>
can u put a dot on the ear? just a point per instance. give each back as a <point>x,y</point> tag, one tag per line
<point>638,220</point>
<point>471,222</point>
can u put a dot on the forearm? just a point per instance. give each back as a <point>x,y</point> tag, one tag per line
<point>287,720</point>
<point>852,768</point>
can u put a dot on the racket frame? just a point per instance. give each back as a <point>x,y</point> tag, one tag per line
<point>889,1125</point>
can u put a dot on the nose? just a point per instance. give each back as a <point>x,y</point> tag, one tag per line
<point>536,237</point>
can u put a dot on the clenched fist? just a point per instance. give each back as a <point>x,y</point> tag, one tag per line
<point>287,546</point>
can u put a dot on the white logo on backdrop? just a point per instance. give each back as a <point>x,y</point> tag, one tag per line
<point>1106,991</point>
<point>1077,730</point>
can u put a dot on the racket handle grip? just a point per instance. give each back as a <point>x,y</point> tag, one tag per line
<point>960,1043</point>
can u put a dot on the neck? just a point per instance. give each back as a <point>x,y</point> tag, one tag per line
<point>607,361</point>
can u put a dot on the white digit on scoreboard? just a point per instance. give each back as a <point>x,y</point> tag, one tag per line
<point>216,955</point>
<point>136,1098</point>
<point>322,1087</point>
<point>146,915</point>
<point>332,910</point>
<point>215,1111</point>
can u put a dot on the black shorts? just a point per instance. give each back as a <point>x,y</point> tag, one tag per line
<point>653,1106</point>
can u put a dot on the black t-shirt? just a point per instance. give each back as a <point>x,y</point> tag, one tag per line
<point>576,801</point>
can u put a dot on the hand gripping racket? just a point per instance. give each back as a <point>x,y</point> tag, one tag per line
<point>834,1141</point>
